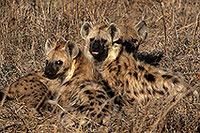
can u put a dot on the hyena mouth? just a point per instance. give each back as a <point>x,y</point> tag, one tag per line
<point>95,53</point>
<point>96,49</point>
<point>98,52</point>
<point>50,75</point>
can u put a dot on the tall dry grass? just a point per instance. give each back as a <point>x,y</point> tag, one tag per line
<point>25,25</point>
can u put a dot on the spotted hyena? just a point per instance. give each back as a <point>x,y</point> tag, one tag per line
<point>134,80</point>
<point>132,37</point>
<point>34,89</point>
<point>82,93</point>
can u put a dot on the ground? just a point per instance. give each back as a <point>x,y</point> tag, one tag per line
<point>174,31</point>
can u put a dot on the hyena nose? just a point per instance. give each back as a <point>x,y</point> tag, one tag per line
<point>96,47</point>
<point>50,72</point>
<point>47,72</point>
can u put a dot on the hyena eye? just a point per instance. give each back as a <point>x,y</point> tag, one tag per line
<point>59,62</point>
<point>104,40</point>
<point>91,39</point>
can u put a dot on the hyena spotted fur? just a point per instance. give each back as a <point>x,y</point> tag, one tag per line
<point>133,80</point>
<point>31,90</point>
<point>81,92</point>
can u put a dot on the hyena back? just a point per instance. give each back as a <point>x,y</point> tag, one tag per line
<point>30,89</point>
<point>134,80</point>
<point>81,93</point>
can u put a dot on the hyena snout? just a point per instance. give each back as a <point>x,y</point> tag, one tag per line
<point>96,48</point>
<point>50,72</point>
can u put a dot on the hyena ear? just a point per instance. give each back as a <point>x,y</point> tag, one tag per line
<point>72,49</point>
<point>142,30</point>
<point>48,46</point>
<point>114,31</point>
<point>85,29</point>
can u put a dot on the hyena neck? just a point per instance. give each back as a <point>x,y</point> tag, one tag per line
<point>118,68</point>
<point>84,69</point>
<point>113,56</point>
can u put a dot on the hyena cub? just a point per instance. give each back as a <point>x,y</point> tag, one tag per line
<point>132,37</point>
<point>134,80</point>
<point>81,93</point>
<point>30,90</point>
<point>34,89</point>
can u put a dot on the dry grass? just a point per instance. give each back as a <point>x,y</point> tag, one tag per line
<point>25,25</point>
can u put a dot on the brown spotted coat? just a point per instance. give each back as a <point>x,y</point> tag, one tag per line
<point>31,90</point>
<point>133,80</point>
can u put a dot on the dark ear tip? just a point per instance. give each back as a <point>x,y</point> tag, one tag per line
<point>142,25</point>
<point>86,22</point>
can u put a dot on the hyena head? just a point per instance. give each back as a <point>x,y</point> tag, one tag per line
<point>59,58</point>
<point>99,39</point>
<point>132,37</point>
<point>102,41</point>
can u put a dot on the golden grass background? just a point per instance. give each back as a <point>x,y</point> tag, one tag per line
<point>25,25</point>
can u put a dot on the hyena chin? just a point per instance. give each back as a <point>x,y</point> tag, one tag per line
<point>133,80</point>
<point>81,93</point>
